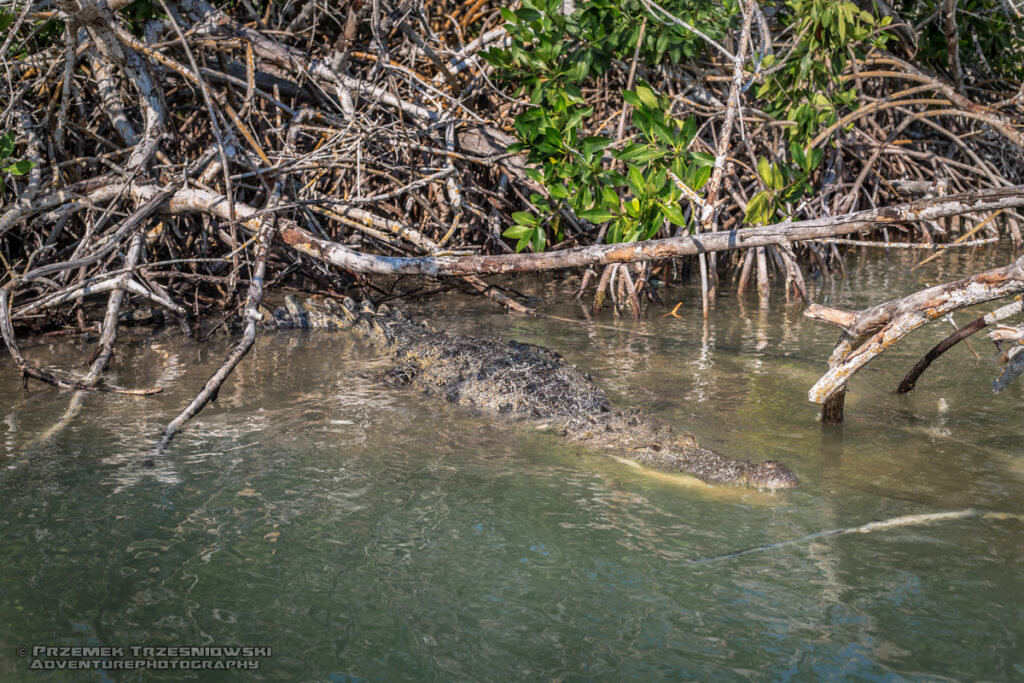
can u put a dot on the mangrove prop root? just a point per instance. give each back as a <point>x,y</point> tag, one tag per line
<point>252,316</point>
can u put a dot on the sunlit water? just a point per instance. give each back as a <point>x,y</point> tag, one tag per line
<point>364,533</point>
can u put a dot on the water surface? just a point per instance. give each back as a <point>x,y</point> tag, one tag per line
<point>364,533</point>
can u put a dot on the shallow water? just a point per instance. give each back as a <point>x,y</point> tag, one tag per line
<point>362,532</point>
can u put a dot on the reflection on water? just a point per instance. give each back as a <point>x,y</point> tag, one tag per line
<point>364,533</point>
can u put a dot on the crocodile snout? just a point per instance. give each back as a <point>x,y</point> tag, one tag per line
<point>772,475</point>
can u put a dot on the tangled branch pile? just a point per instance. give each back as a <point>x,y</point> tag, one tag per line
<point>188,155</point>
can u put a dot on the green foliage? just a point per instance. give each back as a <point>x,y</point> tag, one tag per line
<point>655,165</point>
<point>786,183</point>
<point>6,145</point>
<point>138,13</point>
<point>805,89</point>
<point>636,202</point>
<point>553,53</point>
<point>991,41</point>
<point>636,190</point>
<point>551,57</point>
<point>17,168</point>
<point>37,35</point>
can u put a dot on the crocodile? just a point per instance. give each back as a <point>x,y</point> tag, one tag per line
<point>509,379</point>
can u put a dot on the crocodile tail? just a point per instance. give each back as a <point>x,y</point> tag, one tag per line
<point>340,311</point>
<point>370,321</point>
<point>350,306</point>
<point>378,317</point>
<point>296,312</point>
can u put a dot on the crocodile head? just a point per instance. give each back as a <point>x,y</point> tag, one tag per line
<point>771,474</point>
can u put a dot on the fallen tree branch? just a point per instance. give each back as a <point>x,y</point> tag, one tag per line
<point>303,241</point>
<point>879,327</point>
<point>910,379</point>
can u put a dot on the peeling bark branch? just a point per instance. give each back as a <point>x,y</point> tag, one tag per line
<point>303,241</point>
<point>878,328</point>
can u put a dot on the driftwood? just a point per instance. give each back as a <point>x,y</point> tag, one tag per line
<point>1013,337</point>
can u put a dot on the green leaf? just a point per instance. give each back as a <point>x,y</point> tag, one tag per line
<point>630,151</point>
<point>664,134</point>
<point>638,152</point>
<point>636,180</point>
<point>816,157</point>
<point>631,98</point>
<point>524,218</point>
<point>609,198</point>
<point>595,215</point>
<point>792,193</point>
<point>764,169</point>
<point>674,214</point>
<point>539,240</point>
<point>757,207</point>
<point>797,152</point>
<point>594,144</point>
<point>558,191</point>
<point>660,45</point>
<point>689,129</point>
<point>576,95</point>
<point>20,167</point>
<point>527,15</point>
<point>700,176</point>
<point>703,158</point>
<point>7,145</point>
<point>647,95</point>
<point>586,197</point>
<point>518,231</point>
<point>633,207</point>
<point>657,180</point>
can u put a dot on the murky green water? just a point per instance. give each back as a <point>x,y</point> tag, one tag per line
<point>361,532</point>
